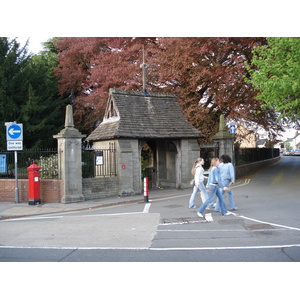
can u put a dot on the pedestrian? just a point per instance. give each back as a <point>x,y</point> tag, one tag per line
<point>228,178</point>
<point>198,185</point>
<point>213,183</point>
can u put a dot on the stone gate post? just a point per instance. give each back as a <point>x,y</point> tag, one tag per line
<point>69,159</point>
<point>224,139</point>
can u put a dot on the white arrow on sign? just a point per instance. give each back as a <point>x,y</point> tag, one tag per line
<point>12,131</point>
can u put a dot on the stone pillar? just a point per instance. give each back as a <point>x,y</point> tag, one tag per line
<point>69,159</point>
<point>224,139</point>
<point>128,167</point>
<point>190,151</point>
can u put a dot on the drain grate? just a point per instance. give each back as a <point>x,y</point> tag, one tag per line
<point>180,221</point>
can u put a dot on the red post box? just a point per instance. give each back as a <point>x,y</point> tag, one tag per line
<point>34,184</point>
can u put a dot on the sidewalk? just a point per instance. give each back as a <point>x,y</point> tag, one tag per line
<point>15,210</point>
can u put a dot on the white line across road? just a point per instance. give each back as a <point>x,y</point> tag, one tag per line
<point>155,249</point>
<point>226,248</point>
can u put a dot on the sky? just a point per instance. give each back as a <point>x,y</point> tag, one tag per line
<point>34,45</point>
<point>25,19</point>
<point>229,18</point>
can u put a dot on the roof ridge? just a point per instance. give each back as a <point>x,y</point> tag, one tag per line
<point>139,93</point>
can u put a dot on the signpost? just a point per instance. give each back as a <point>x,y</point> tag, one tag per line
<point>14,142</point>
<point>232,130</point>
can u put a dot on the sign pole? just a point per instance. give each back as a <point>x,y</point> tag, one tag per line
<point>16,177</point>
<point>233,132</point>
<point>14,140</point>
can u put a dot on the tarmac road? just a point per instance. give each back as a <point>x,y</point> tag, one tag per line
<point>265,228</point>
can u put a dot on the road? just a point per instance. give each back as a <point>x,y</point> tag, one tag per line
<point>265,228</point>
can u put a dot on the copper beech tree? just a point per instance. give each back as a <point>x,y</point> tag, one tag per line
<point>206,74</point>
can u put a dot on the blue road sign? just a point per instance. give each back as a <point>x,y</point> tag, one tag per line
<point>232,129</point>
<point>15,132</point>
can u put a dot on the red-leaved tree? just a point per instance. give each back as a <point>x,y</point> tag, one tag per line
<point>206,74</point>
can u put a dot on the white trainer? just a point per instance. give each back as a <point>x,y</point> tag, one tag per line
<point>199,215</point>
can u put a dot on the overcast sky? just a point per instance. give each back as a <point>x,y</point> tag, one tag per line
<point>156,18</point>
<point>34,45</point>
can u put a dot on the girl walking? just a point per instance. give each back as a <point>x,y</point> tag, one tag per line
<point>214,181</point>
<point>228,177</point>
<point>198,172</point>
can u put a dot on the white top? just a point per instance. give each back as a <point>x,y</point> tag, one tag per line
<point>199,174</point>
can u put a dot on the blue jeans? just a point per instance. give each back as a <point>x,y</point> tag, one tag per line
<point>230,196</point>
<point>203,192</point>
<point>214,190</point>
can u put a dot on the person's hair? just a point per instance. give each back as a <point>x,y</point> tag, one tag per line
<point>198,160</point>
<point>225,158</point>
<point>213,162</point>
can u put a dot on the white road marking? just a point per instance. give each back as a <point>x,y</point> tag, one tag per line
<point>272,224</point>
<point>217,230</point>
<point>77,216</point>
<point>75,248</point>
<point>226,248</point>
<point>155,249</point>
<point>147,208</point>
<point>31,218</point>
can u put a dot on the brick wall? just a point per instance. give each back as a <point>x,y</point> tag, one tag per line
<point>51,190</point>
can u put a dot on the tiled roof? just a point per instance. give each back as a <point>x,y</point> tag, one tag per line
<point>129,114</point>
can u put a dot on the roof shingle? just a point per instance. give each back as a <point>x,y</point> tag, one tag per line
<point>129,114</point>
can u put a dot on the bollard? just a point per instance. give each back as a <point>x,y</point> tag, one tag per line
<point>146,189</point>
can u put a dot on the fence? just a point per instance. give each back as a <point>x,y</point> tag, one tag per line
<point>96,162</point>
<point>47,159</point>
<point>249,155</point>
<point>99,162</point>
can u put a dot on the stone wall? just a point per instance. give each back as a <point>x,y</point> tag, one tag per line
<point>128,165</point>
<point>246,170</point>
<point>101,187</point>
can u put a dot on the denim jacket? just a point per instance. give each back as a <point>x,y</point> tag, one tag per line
<point>214,177</point>
<point>227,171</point>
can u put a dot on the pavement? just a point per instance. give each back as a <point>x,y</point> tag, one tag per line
<point>23,209</point>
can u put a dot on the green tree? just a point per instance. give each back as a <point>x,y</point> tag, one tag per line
<point>208,75</point>
<point>43,110</point>
<point>275,75</point>
<point>29,94</point>
<point>287,145</point>
<point>13,61</point>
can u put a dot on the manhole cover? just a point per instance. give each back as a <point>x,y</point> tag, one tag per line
<point>259,227</point>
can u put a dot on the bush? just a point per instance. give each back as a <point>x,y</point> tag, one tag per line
<point>49,166</point>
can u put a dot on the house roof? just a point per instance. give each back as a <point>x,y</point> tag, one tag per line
<point>130,114</point>
<point>261,142</point>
